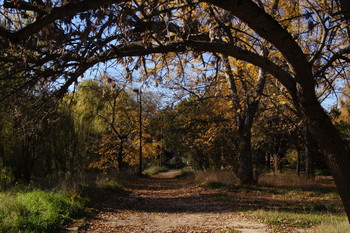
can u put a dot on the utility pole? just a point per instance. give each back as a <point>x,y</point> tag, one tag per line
<point>139,100</point>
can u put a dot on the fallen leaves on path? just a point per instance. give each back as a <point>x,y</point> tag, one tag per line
<point>168,205</point>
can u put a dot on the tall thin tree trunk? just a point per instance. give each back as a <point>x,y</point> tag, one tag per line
<point>277,163</point>
<point>120,157</point>
<point>298,150</point>
<point>309,167</point>
<point>268,161</point>
<point>298,167</point>
<point>310,151</point>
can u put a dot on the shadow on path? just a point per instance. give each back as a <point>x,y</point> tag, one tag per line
<point>162,194</point>
<point>165,204</point>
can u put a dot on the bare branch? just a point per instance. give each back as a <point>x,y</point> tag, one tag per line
<point>56,13</point>
<point>324,35</point>
<point>339,55</point>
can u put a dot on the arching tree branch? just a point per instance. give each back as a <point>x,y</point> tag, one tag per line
<point>139,49</point>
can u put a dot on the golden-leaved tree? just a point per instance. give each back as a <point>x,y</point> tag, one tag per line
<point>110,116</point>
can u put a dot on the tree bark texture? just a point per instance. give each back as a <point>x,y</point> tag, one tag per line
<point>333,148</point>
<point>245,169</point>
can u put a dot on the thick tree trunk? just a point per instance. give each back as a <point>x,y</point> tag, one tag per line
<point>245,169</point>
<point>332,146</point>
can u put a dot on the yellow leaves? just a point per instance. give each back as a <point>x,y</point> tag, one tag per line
<point>283,102</point>
<point>170,35</point>
<point>205,5</point>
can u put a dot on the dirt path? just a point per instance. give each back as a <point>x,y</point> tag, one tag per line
<point>163,204</point>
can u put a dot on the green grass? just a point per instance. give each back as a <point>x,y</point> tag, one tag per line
<point>111,185</point>
<point>36,211</point>
<point>186,171</point>
<point>26,210</point>
<point>332,227</point>
<point>155,169</point>
<point>282,220</point>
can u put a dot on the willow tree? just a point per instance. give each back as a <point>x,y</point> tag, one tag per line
<point>46,42</point>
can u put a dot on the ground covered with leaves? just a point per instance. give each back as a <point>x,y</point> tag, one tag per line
<point>162,203</point>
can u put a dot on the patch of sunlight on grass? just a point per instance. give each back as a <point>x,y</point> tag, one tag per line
<point>295,219</point>
<point>334,227</point>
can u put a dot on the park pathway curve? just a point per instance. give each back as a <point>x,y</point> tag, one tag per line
<point>167,204</point>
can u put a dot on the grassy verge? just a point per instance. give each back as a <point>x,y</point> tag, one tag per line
<point>284,221</point>
<point>36,210</point>
<point>300,203</point>
<point>24,209</point>
<point>332,227</point>
<point>284,201</point>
